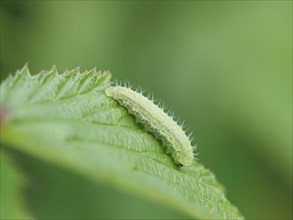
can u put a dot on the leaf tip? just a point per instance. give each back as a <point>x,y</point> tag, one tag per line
<point>94,70</point>
<point>25,66</point>
<point>77,69</point>
<point>53,68</point>
<point>24,69</point>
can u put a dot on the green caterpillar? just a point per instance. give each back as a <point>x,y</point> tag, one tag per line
<point>155,121</point>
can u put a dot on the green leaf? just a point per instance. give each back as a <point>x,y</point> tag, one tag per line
<point>68,120</point>
<point>12,205</point>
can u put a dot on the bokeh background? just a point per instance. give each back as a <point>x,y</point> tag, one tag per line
<point>225,67</point>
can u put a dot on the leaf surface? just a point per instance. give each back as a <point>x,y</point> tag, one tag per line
<point>68,120</point>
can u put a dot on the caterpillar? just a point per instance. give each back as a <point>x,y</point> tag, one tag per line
<point>155,121</point>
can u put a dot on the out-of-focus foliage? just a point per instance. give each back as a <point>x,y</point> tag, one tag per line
<point>12,204</point>
<point>225,67</point>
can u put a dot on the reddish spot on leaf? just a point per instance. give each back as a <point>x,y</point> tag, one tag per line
<point>3,113</point>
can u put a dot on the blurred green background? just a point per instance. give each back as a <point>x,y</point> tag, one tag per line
<point>225,67</point>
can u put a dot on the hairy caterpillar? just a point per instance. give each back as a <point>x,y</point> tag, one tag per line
<point>155,121</point>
